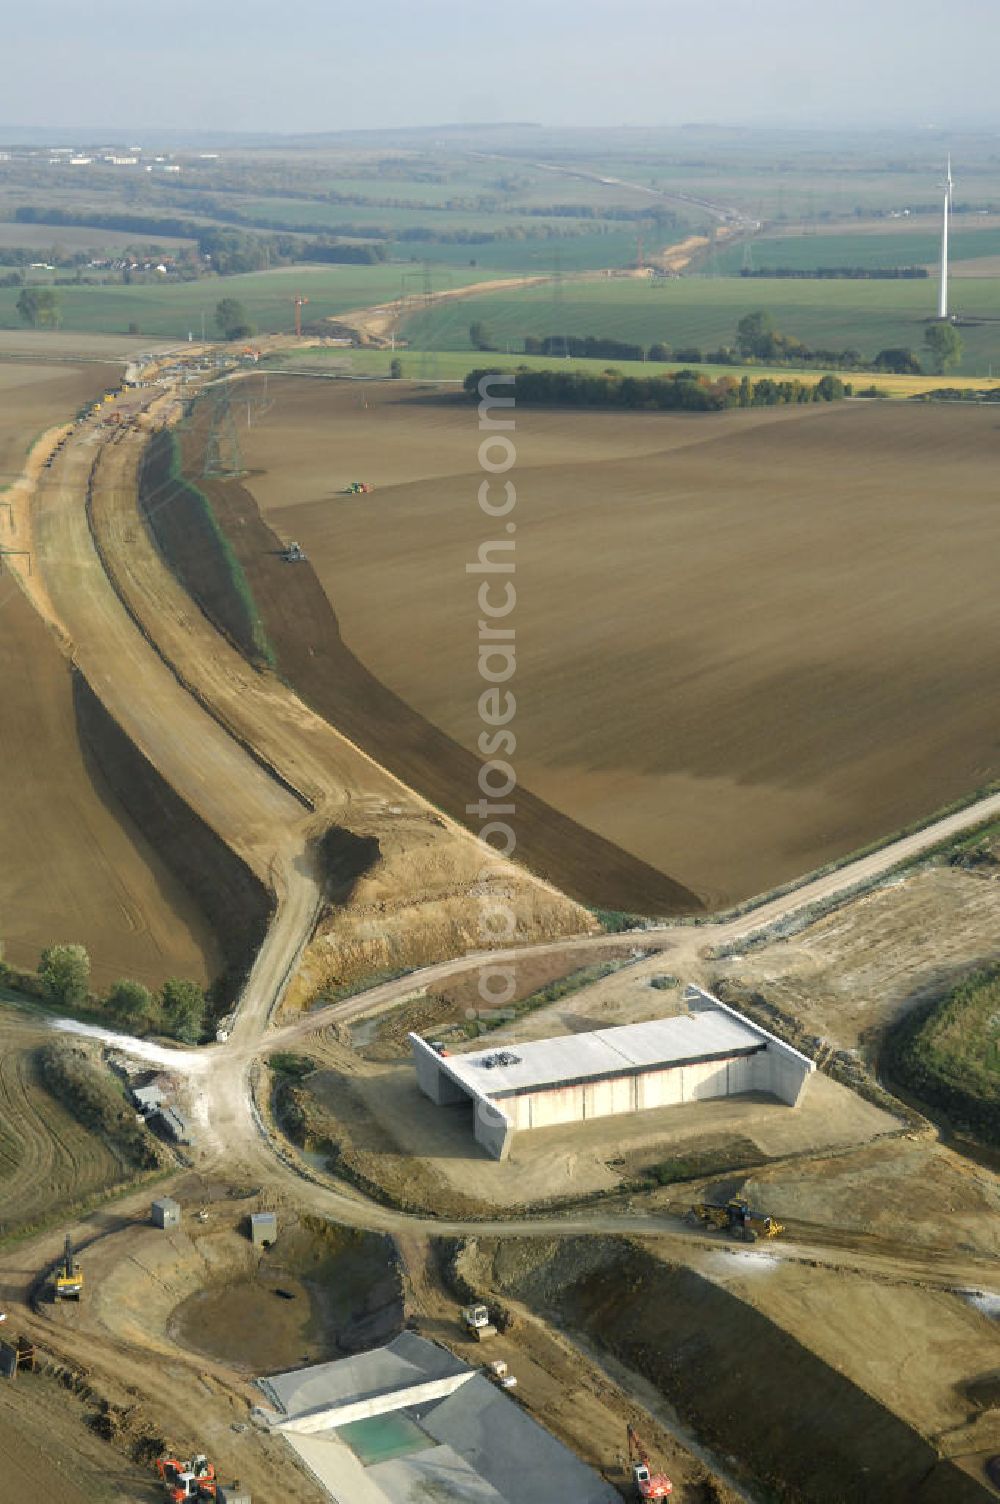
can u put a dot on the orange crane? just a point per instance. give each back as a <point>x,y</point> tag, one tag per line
<point>300,302</point>
<point>648,1485</point>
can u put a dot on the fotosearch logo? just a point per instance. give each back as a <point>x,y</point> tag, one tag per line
<point>496,598</point>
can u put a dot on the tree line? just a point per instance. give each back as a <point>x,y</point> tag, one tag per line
<point>835,273</point>
<point>687,391</point>
<point>757,341</point>
<point>226,251</point>
<point>62,979</point>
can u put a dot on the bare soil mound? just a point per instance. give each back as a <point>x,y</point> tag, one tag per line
<point>234,901</point>
<point>48,1158</point>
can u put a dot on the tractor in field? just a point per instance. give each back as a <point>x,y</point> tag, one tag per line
<point>293,553</point>
<point>736,1218</point>
<point>359,488</point>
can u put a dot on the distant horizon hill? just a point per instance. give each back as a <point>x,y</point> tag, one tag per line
<point>914,138</point>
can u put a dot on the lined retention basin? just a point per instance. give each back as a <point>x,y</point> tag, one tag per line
<point>381,1437</point>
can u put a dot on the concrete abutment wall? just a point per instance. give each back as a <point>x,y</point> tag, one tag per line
<point>770,1066</point>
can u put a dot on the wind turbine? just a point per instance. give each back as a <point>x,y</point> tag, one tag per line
<point>949,187</point>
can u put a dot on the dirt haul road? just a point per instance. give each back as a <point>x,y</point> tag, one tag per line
<point>376,325</point>
<point>213,775</point>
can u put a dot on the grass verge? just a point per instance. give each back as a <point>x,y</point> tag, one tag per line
<point>948,1054</point>
<point>182,507</point>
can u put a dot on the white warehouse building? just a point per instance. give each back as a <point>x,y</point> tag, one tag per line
<point>710,1051</point>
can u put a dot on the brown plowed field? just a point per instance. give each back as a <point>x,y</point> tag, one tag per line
<point>47,1158</point>
<point>75,867</point>
<point>748,643</point>
<point>312,655</point>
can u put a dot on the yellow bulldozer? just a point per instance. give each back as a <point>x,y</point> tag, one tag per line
<point>68,1281</point>
<point>736,1218</point>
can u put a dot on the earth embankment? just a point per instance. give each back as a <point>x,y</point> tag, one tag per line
<point>298,774</point>
<point>746,1387</point>
<point>232,898</point>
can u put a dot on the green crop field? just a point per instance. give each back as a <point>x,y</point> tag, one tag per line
<point>307,214</point>
<point>805,251</point>
<point>704,312</point>
<point>175,309</point>
<point>536,256</point>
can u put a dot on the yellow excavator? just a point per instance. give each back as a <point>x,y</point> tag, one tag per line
<point>68,1275</point>
<point>736,1218</point>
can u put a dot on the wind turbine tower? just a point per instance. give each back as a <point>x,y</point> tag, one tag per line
<point>949,188</point>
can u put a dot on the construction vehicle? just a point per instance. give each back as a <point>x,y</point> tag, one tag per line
<point>359,488</point>
<point>736,1218</point>
<point>187,1480</point>
<point>293,553</point>
<point>497,1371</point>
<point>68,1283</point>
<point>477,1322</point>
<point>648,1485</point>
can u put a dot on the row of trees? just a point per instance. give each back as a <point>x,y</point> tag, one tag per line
<point>758,339</point>
<point>757,342</point>
<point>839,273</point>
<point>63,979</point>
<point>249,243</point>
<point>688,391</point>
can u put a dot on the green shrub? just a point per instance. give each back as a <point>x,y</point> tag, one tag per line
<point>183,1005</point>
<point>130,1001</point>
<point>64,971</point>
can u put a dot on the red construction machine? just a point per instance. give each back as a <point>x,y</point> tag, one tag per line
<point>187,1480</point>
<point>648,1485</point>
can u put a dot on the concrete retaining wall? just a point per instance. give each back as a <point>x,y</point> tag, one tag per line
<point>491,1125</point>
<point>670,1086</point>
<point>780,1069</point>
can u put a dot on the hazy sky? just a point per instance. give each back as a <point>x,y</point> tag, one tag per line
<point>312,65</point>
